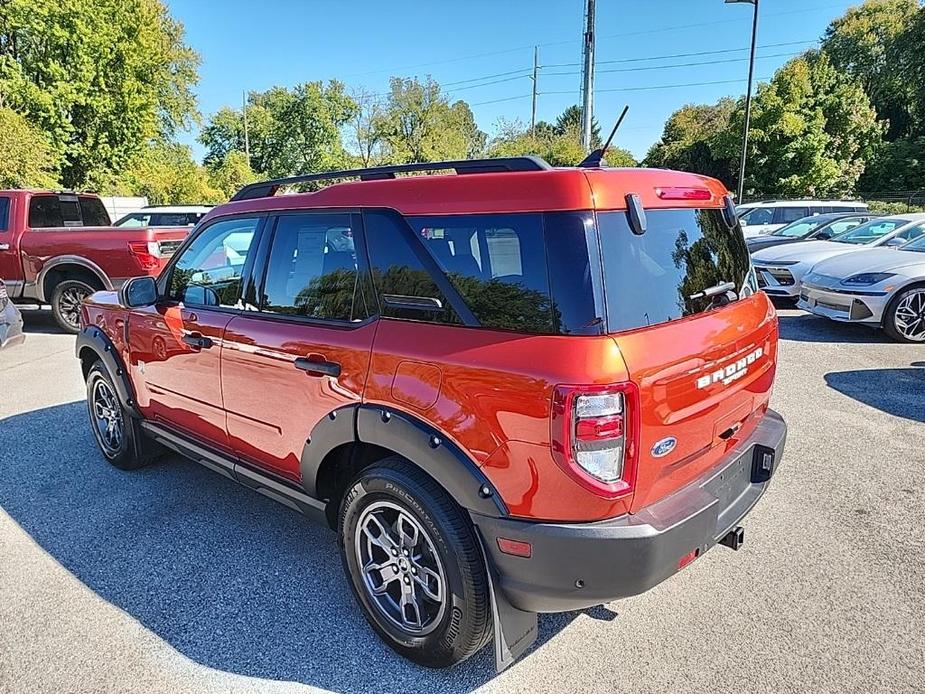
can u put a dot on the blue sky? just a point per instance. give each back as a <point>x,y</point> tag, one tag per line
<point>248,45</point>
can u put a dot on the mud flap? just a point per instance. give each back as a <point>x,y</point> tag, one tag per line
<point>514,630</point>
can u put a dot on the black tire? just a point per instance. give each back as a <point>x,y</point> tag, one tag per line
<point>890,315</point>
<point>131,449</point>
<point>65,303</point>
<point>463,624</point>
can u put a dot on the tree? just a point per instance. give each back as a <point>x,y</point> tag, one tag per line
<point>868,43</point>
<point>365,139</point>
<point>418,124</point>
<point>812,131</point>
<point>688,141</point>
<point>291,131</point>
<point>569,122</point>
<point>897,166</point>
<point>99,78</point>
<point>166,174</point>
<point>515,139</point>
<point>26,158</point>
<point>231,174</point>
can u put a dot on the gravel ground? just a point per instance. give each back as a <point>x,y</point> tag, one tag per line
<point>175,579</point>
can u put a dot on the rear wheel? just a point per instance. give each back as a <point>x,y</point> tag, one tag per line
<point>905,316</point>
<point>415,565</point>
<point>66,298</point>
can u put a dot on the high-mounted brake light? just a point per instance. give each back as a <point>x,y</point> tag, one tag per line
<point>147,253</point>
<point>594,436</point>
<point>676,193</point>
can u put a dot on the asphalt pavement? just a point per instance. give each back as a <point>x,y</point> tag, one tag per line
<point>174,579</point>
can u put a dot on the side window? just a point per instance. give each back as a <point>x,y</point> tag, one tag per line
<point>312,270</point>
<point>93,213</point>
<point>132,221</point>
<point>45,212</point>
<point>844,225</point>
<point>209,271</point>
<point>497,263</point>
<point>406,288</point>
<point>759,215</point>
<point>911,233</point>
<point>790,214</point>
<point>4,213</point>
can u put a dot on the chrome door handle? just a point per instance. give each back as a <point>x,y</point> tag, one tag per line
<point>4,246</point>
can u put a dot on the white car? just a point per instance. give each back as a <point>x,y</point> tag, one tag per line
<point>165,216</point>
<point>781,268</point>
<point>759,218</point>
<point>881,287</point>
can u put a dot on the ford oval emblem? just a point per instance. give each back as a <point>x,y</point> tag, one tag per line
<point>664,447</point>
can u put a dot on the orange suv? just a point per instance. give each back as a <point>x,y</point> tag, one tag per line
<point>512,390</point>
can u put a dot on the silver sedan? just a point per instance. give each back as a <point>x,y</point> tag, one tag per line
<point>880,287</point>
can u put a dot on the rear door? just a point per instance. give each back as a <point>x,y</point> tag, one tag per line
<point>704,365</point>
<point>10,263</point>
<point>175,345</point>
<point>302,349</point>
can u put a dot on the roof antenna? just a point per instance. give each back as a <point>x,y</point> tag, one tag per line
<point>596,158</point>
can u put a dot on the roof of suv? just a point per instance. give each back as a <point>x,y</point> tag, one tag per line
<point>548,189</point>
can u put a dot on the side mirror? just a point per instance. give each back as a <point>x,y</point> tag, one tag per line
<point>138,291</point>
<point>896,242</point>
<point>824,235</point>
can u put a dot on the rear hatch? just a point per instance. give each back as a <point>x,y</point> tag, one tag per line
<point>704,364</point>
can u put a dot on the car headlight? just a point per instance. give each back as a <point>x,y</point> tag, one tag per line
<point>868,278</point>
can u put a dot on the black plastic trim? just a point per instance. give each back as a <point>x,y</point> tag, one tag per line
<point>337,429</point>
<point>92,337</point>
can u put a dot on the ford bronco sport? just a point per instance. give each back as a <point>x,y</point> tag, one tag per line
<point>512,390</point>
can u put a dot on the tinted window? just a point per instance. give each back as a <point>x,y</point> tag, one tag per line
<point>312,269</point>
<point>93,213</point>
<point>497,263</point>
<point>654,278</point>
<point>45,212</point>
<point>758,215</point>
<point>209,271</point>
<point>4,213</point>
<point>790,214</point>
<point>405,286</point>
<point>175,219</point>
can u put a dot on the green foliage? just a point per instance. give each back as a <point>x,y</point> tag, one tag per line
<point>231,174</point>
<point>26,158</point>
<point>558,148</point>
<point>291,131</point>
<point>166,174</point>
<point>418,123</point>
<point>890,207</point>
<point>98,77</point>
<point>569,122</point>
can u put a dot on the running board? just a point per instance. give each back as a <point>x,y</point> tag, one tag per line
<point>233,469</point>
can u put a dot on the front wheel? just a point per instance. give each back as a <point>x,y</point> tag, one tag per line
<point>905,316</point>
<point>66,298</point>
<point>415,565</point>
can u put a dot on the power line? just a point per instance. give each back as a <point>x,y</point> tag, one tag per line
<point>676,65</point>
<point>509,98</point>
<point>657,86</point>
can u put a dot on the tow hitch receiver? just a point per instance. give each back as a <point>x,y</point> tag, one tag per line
<point>734,539</point>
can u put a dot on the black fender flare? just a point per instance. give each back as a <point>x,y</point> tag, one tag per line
<point>417,441</point>
<point>94,339</point>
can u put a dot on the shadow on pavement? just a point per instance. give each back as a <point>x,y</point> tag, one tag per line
<point>39,320</point>
<point>809,328</point>
<point>899,392</point>
<point>230,579</point>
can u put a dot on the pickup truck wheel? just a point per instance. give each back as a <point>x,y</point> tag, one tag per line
<point>66,298</point>
<point>415,565</point>
<point>117,433</point>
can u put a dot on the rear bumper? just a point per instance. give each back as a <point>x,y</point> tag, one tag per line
<point>578,565</point>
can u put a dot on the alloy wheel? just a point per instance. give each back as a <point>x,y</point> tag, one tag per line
<point>107,416</point>
<point>909,316</point>
<point>402,572</point>
<point>69,305</point>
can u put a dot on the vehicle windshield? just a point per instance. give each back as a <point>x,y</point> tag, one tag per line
<point>800,228</point>
<point>867,233</point>
<point>917,246</point>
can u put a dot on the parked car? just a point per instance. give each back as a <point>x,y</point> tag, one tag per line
<point>781,269</point>
<point>764,217</point>
<point>882,287</point>
<point>58,248</point>
<point>10,321</point>
<point>164,216</point>
<point>820,227</point>
<point>518,390</point>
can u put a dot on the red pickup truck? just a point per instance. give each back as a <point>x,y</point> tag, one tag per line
<point>58,248</point>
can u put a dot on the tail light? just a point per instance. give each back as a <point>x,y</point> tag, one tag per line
<point>595,434</point>
<point>147,253</point>
<point>677,193</point>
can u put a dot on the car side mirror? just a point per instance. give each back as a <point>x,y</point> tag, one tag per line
<point>138,292</point>
<point>824,235</point>
<point>895,242</point>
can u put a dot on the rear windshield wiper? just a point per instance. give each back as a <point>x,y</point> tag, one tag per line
<point>715,290</point>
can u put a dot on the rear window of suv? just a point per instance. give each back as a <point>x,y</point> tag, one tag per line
<point>656,277</point>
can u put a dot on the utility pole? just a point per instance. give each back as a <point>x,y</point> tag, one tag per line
<point>587,81</point>
<point>247,139</point>
<point>748,98</point>
<point>536,67</point>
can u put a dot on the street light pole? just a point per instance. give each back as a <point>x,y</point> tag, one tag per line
<point>748,97</point>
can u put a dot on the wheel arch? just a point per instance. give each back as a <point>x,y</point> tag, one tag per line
<point>357,436</point>
<point>68,266</point>
<point>94,345</point>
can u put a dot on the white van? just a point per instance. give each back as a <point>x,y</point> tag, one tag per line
<point>759,218</point>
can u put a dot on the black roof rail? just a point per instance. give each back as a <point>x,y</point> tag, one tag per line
<point>266,189</point>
